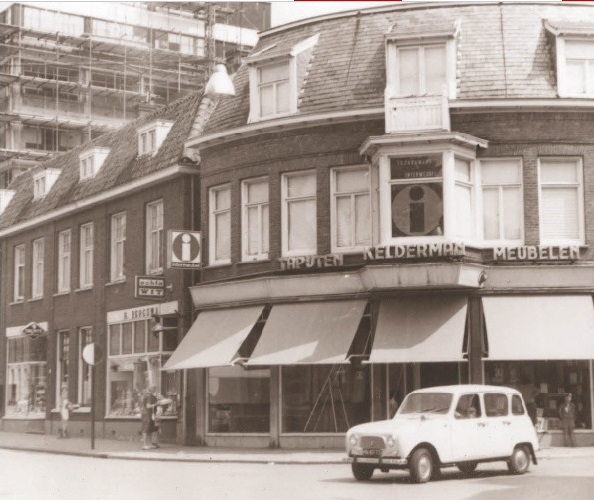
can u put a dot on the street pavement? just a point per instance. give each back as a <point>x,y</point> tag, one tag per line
<point>131,450</point>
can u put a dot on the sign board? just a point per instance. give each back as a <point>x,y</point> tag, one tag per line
<point>536,253</point>
<point>92,354</point>
<point>33,330</point>
<point>149,287</point>
<point>184,249</point>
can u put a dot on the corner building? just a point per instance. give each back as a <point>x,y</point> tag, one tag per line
<point>396,198</point>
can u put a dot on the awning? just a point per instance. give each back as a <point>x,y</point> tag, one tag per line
<point>214,338</point>
<point>312,332</point>
<point>420,329</point>
<point>540,327</point>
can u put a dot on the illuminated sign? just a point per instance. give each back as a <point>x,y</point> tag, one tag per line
<point>184,249</point>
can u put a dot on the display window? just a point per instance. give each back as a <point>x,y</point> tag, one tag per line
<point>26,386</point>
<point>136,355</point>
<point>544,385</point>
<point>238,400</point>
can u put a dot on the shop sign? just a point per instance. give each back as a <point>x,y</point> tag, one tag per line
<point>139,313</point>
<point>184,249</point>
<point>149,287</point>
<point>534,252</point>
<point>423,251</point>
<point>33,330</point>
<point>311,261</point>
<point>416,167</point>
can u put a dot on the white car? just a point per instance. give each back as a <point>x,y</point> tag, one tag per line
<point>458,425</point>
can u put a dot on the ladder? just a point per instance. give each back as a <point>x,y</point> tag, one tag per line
<point>327,393</point>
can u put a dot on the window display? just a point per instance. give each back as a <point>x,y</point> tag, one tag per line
<point>238,400</point>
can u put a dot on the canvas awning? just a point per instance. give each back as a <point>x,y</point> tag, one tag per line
<point>420,329</point>
<point>310,333</point>
<point>540,327</point>
<point>214,338</point>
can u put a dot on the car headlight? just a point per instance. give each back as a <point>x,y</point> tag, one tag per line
<point>391,441</point>
<point>353,439</point>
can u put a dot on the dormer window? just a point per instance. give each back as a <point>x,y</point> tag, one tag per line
<point>151,136</point>
<point>43,182</point>
<point>91,161</point>
<point>276,74</point>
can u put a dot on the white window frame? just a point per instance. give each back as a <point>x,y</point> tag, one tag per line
<point>285,201</point>
<point>86,256</point>
<point>157,232</point>
<point>20,260</point>
<point>562,79</point>
<point>500,188</point>
<point>59,373</point>
<point>472,185</point>
<point>261,255</point>
<point>83,365</point>
<point>64,260</point>
<point>117,244</point>
<point>151,136</point>
<point>213,212</point>
<point>39,185</point>
<point>334,210</point>
<point>579,186</point>
<point>37,269</point>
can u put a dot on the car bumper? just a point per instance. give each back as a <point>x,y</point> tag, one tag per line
<point>379,461</point>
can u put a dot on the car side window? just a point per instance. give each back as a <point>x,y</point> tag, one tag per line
<point>516,405</point>
<point>468,407</point>
<point>496,405</point>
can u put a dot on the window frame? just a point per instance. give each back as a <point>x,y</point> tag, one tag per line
<point>562,75</point>
<point>578,161</point>
<point>334,195</point>
<point>64,261</point>
<point>285,212</point>
<point>255,88</point>
<point>159,231</point>
<point>87,252</point>
<point>19,273</point>
<point>213,212</point>
<point>39,185</point>
<point>245,204</point>
<point>62,364</point>
<point>37,268</point>
<point>84,369</point>
<point>422,76</point>
<point>117,248</point>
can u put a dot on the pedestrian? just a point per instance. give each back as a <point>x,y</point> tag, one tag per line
<point>393,404</point>
<point>529,393</point>
<point>148,403</point>
<point>65,408</point>
<point>567,416</point>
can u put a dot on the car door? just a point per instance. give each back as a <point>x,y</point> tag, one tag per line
<point>497,425</point>
<point>465,428</point>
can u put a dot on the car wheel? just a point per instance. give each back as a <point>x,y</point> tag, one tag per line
<point>519,462</point>
<point>467,468</point>
<point>362,472</point>
<point>421,466</point>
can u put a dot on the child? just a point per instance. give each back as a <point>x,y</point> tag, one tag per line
<point>65,407</point>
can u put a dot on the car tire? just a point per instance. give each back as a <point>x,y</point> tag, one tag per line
<point>519,462</point>
<point>422,466</point>
<point>362,472</point>
<point>467,468</point>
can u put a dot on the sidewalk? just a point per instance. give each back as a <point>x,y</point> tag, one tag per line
<point>130,450</point>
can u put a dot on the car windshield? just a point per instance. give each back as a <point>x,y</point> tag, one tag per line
<point>426,402</point>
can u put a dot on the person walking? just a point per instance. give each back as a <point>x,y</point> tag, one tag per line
<point>567,416</point>
<point>149,402</point>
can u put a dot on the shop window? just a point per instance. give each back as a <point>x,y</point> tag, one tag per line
<point>26,386</point>
<point>299,214</point>
<point>255,218</point>
<point>220,225</point>
<point>86,255</point>
<point>85,380</point>
<point>118,238</point>
<point>64,249</point>
<point>136,355</point>
<point>320,399</point>
<point>351,209</point>
<point>154,237</point>
<point>238,400</point>
<point>19,273</point>
<point>37,278</point>
<point>62,363</point>
<point>561,200</point>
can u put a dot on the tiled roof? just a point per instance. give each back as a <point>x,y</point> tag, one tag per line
<point>502,52</point>
<point>121,166</point>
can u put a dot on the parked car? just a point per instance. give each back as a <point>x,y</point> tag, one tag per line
<point>459,425</point>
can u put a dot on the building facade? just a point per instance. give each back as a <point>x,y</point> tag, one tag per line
<point>397,198</point>
<point>67,78</point>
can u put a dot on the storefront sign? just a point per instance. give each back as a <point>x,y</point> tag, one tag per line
<point>311,261</point>
<point>184,249</point>
<point>33,330</point>
<point>424,251</point>
<point>416,167</point>
<point>533,252</point>
<point>144,312</point>
<point>149,287</point>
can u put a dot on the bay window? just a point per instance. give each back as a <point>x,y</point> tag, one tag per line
<point>299,213</point>
<point>220,225</point>
<point>464,196</point>
<point>254,214</point>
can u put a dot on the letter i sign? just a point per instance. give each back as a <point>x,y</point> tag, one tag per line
<point>184,249</point>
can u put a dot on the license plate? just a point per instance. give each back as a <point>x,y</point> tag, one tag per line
<point>372,453</point>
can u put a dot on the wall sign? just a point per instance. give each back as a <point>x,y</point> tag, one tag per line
<point>311,261</point>
<point>184,249</point>
<point>33,330</point>
<point>534,252</point>
<point>149,287</point>
<point>425,251</point>
<point>143,312</point>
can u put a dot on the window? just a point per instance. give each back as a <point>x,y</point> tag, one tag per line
<point>63,352</point>
<point>299,214</point>
<point>579,64</point>
<point>85,337</point>
<point>136,355</point>
<point>273,89</point>
<point>255,219</point>
<point>351,209</point>
<point>154,237</point>
<point>118,238</point>
<point>421,70</point>
<point>496,405</point>
<point>86,255</point>
<point>503,208</point>
<point>517,407</point>
<point>64,242</point>
<point>19,273</point>
<point>43,182</point>
<point>37,288</point>
<point>220,225</point>
<point>87,167</point>
<point>469,406</point>
<point>38,186</point>
<point>151,136</point>
<point>464,195</point>
<point>561,201</point>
